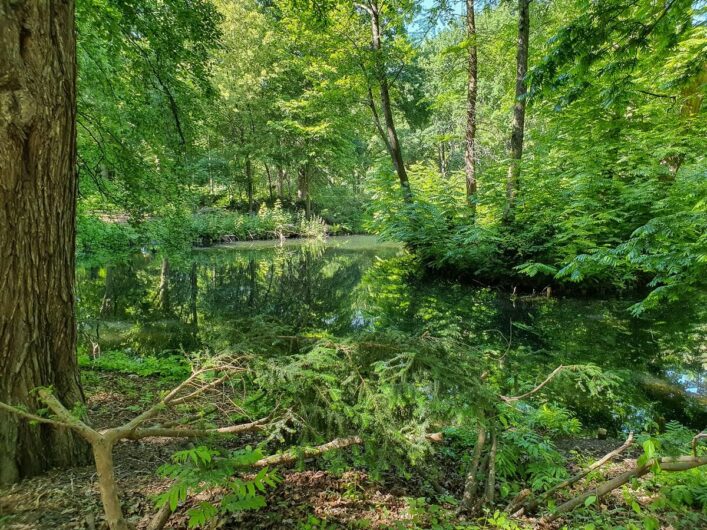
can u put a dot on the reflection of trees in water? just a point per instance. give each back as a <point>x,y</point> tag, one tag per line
<point>242,299</point>
<point>139,304</point>
<point>295,286</point>
<point>655,358</point>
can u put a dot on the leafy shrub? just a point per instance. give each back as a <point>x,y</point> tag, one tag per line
<point>269,223</point>
<point>145,366</point>
<point>201,469</point>
<point>101,239</point>
<point>314,227</point>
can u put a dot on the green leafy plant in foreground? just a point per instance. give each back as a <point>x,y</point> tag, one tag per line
<point>201,469</point>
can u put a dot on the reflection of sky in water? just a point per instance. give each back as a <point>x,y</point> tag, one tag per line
<point>358,321</point>
<point>691,383</point>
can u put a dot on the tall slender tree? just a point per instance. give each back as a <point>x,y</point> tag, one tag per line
<point>472,89</point>
<point>390,134</point>
<point>37,230</point>
<point>518,126</point>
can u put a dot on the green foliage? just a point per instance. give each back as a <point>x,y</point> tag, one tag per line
<point>203,470</point>
<point>202,121</point>
<point>526,451</point>
<point>612,182</point>
<point>268,223</point>
<point>100,240</point>
<point>169,368</point>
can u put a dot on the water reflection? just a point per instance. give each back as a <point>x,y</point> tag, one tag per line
<point>266,298</point>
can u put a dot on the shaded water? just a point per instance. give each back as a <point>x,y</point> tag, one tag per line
<point>263,296</point>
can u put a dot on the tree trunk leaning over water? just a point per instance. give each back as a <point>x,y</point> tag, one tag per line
<point>37,230</point>
<point>472,88</point>
<point>518,127</point>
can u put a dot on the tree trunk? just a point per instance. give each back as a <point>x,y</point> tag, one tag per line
<point>472,88</point>
<point>472,481</point>
<point>270,185</point>
<point>163,289</point>
<point>394,148</point>
<point>37,230</point>
<point>280,183</point>
<point>249,183</point>
<point>518,127</point>
<point>303,190</point>
<point>442,152</point>
<point>491,476</point>
<point>193,306</point>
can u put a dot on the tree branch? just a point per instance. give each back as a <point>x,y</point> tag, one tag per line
<point>169,400</point>
<point>32,417</point>
<point>533,503</point>
<point>67,417</point>
<point>166,432</point>
<point>307,452</point>
<point>549,378</point>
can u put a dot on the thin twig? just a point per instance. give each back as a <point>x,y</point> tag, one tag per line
<point>549,378</point>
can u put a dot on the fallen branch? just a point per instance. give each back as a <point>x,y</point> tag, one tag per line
<point>294,455</point>
<point>307,452</point>
<point>517,501</point>
<point>160,518</point>
<point>533,503</point>
<point>699,436</point>
<point>176,432</point>
<point>31,417</point>
<point>671,464</point>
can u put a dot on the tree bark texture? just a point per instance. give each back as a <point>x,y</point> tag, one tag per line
<point>518,126</point>
<point>472,90</point>
<point>37,230</point>
<point>103,456</point>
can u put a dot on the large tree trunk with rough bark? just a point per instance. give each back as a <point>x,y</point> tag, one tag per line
<point>472,88</point>
<point>37,230</point>
<point>518,127</point>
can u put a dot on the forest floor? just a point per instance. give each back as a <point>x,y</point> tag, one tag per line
<point>308,498</point>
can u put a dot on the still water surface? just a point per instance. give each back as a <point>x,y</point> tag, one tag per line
<point>239,297</point>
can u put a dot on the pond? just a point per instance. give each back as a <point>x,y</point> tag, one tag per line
<point>264,297</point>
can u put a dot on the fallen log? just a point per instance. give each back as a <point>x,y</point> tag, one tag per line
<point>670,464</point>
<point>532,504</point>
